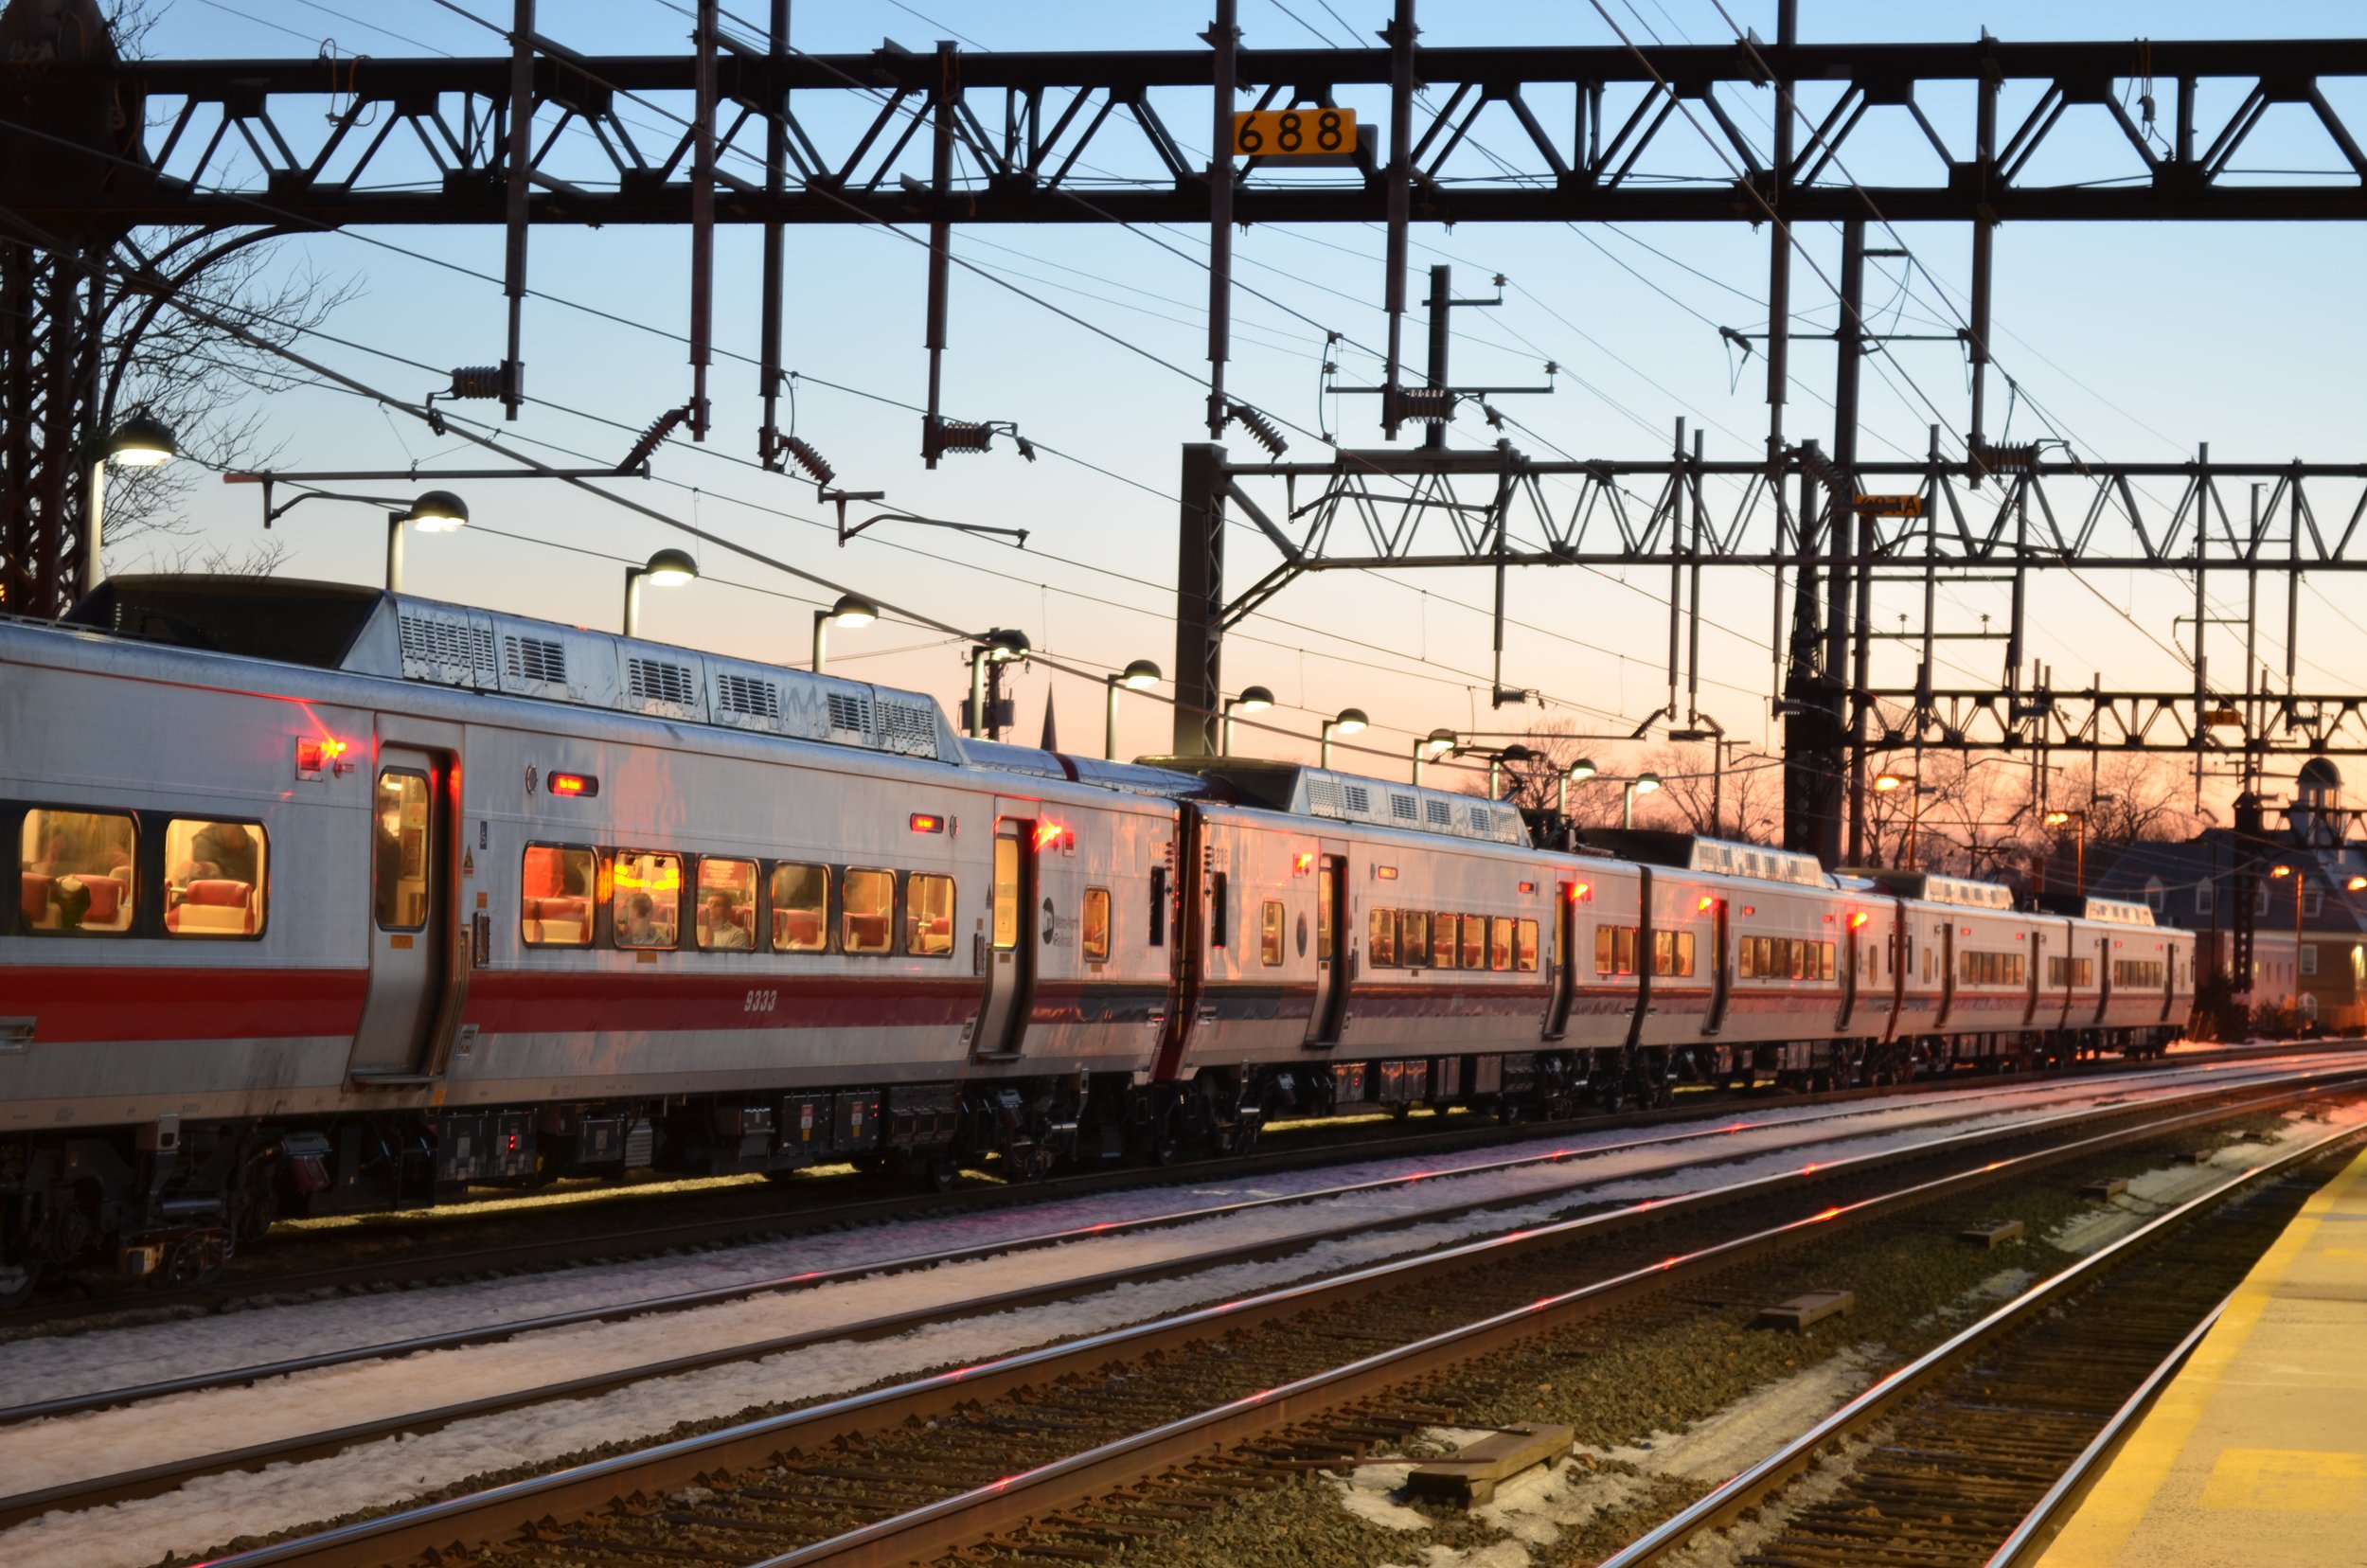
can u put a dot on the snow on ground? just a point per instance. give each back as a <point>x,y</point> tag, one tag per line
<point>48,1453</point>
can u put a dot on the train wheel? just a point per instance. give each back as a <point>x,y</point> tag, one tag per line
<point>17,1284</point>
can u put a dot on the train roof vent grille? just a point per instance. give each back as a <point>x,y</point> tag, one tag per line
<point>1441,813</point>
<point>1322,795</point>
<point>445,647</point>
<point>907,729</point>
<point>748,696</point>
<point>1401,807</point>
<point>534,659</point>
<point>659,681</point>
<point>1359,798</point>
<point>1481,818</point>
<point>850,713</point>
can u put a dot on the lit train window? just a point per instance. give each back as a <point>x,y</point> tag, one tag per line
<point>1442,942</point>
<point>1380,943</point>
<point>644,898</point>
<point>1323,913</point>
<point>1499,942</point>
<point>555,896</point>
<point>1524,947</point>
<point>1413,938</point>
<point>929,916</point>
<point>1006,884</point>
<point>1270,932</point>
<point>728,905</point>
<point>398,860</point>
<point>215,877</point>
<point>1615,950</point>
<point>74,873</point>
<point>1094,914</point>
<point>1672,953</point>
<point>866,911</point>
<point>1474,942</point>
<point>801,907</point>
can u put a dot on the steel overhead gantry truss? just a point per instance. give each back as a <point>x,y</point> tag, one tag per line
<point>745,129</point>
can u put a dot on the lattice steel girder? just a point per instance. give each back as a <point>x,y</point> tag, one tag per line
<point>1405,507</point>
<point>2243,723</point>
<point>1587,133</point>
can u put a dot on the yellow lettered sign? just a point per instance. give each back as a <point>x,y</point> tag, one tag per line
<point>1890,506</point>
<point>1294,133</point>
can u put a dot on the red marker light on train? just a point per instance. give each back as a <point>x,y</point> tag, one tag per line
<point>574,784</point>
<point>923,823</point>
<point>1528,888</point>
<point>1386,873</point>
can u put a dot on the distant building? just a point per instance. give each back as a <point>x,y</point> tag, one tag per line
<point>2322,967</point>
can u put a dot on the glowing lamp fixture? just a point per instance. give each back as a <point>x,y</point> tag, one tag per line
<point>1647,782</point>
<point>667,569</point>
<point>1350,722</point>
<point>142,441</point>
<point>1582,770</point>
<point>1141,675</point>
<point>437,511</point>
<point>1255,699</point>
<point>1885,783</point>
<point>852,610</point>
<point>1429,748</point>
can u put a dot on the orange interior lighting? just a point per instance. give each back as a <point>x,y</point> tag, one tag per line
<point>574,784</point>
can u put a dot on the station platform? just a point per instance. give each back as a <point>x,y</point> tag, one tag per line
<point>2257,1452</point>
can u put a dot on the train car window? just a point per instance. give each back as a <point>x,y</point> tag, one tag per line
<point>644,898</point>
<point>1006,881</point>
<point>1499,942</point>
<point>1604,963</point>
<point>75,873</point>
<point>217,878</point>
<point>1159,906</point>
<point>1380,942</point>
<point>866,911</point>
<point>1524,947</point>
<point>1474,941</point>
<point>1270,932</point>
<point>399,860</point>
<point>929,916</point>
<point>555,896</point>
<point>1747,958</point>
<point>1323,911</point>
<point>1095,925</point>
<point>1443,937</point>
<point>801,907</point>
<point>1927,966</point>
<point>1220,908</point>
<point>1672,953</point>
<point>1413,938</point>
<point>728,905</point>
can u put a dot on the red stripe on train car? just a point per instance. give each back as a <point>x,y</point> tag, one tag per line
<point>87,1004</point>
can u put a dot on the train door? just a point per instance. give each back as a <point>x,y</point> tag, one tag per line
<point>1848,974</point>
<point>2105,978</point>
<point>411,914</point>
<point>1331,950</point>
<point>2037,956</point>
<point>1008,956</point>
<point>1948,968</point>
<point>1565,976</point>
<point>1721,968</point>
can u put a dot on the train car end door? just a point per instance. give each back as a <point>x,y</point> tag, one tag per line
<point>1006,951</point>
<point>1565,977</point>
<point>411,898</point>
<point>1331,948</point>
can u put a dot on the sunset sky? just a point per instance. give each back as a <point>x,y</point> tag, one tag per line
<point>2127,342</point>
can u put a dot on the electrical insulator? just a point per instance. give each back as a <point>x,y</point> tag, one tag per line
<point>476,380</point>
<point>815,465</point>
<point>1261,429</point>
<point>1427,405</point>
<point>1997,458</point>
<point>957,436</point>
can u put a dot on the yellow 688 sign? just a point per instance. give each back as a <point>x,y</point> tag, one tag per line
<point>1294,133</point>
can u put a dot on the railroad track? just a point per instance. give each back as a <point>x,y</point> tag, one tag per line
<point>109,1302</point>
<point>937,1463</point>
<point>1965,1456</point>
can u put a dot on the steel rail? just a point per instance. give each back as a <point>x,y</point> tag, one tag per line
<point>655,1238</point>
<point>1754,1484</point>
<point>2051,1512</point>
<point>108,1398</point>
<point>482,1517</point>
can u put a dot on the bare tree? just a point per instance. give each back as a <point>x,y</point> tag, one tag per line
<point>1744,800</point>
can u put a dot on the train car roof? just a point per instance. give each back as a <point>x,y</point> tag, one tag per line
<point>1696,852</point>
<point>400,636</point>
<point>1934,889</point>
<point>2108,911</point>
<point>1302,790</point>
<point>1126,778</point>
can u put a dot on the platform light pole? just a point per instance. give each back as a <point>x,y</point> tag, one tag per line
<point>667,569</point>
<point>852,611</point>
<point>1496,760</point>
<point>1436,746</point>
<point>1577,773</point>
<point>2080,855</point>
<point>141,442</point>
<point>1642,783</point>
<point>431,511</point>
<point>1350,722</point>
<point>1255,699</point>
<point>1885,783</point>
<point>1139,676</point>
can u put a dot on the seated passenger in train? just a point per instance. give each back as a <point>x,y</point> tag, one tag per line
<point>638,927</point>
<point>222,851</point>
<point>723,927</point>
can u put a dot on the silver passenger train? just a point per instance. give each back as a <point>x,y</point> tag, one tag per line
<point>326,899</point>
